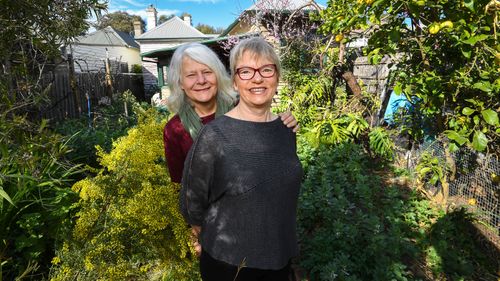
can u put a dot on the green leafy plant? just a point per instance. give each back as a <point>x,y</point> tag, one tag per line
<point>353,226</point>
<point>480,120</point>
<point>381,143</point>
<point>36,199</point>
<point>106,124</point>
<point>348,229</point>
<point>430,169</point>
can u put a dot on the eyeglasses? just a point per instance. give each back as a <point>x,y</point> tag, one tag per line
<point>247,73</point>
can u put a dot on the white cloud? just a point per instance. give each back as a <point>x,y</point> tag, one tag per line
<point>134,3</point>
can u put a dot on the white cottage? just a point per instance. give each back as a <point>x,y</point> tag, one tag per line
<point>90,51</point>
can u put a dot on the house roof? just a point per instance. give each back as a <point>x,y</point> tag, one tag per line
<point>174,28</point>
<point>107,37</point>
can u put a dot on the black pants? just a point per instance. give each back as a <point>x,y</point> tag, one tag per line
<point>215,270</point>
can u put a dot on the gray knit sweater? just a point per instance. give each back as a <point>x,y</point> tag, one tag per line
<point>240,184</point>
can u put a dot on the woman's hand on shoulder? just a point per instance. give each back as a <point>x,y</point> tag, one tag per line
<point>289,120</point>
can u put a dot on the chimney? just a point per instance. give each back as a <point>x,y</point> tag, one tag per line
<point>137,28</point>
<point>151,12</point>
<point>187,19</point>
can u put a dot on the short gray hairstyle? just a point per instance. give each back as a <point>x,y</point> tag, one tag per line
<point>258,46</point>
<point>203,55</point>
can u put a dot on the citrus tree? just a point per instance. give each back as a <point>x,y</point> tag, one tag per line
<point>446,57</point>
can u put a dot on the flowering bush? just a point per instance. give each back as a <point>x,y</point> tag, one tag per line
<point>129,226</point>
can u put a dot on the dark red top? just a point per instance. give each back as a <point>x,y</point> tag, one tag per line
<point>177,142</point>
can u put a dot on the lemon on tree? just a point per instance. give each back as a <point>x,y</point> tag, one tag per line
<point>434,28</point>
<point>446,24</point>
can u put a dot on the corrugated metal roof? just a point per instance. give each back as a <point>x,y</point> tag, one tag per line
<point>174,28</point>
<point>107,37</point>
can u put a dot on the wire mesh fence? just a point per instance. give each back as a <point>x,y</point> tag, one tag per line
<point>473,180</point>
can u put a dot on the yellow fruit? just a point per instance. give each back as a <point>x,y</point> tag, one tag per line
<point>369,2</point>
<point>472,201</point>
<point>434,28</point>
<point>495,178</point>
<point>339,37</point>
<point>446,24</point>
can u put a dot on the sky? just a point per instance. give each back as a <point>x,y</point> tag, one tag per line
<point>216,13</point>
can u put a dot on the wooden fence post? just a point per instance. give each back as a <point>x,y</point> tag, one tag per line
<point>73,86</point>
<point>109,82</point>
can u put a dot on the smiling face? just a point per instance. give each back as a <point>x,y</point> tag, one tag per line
<point>257,91</point>
<point>199,82</point>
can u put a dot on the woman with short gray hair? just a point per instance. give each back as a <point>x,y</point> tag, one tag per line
<point>242,177</point>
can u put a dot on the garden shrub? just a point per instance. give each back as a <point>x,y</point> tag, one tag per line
<point>354,226</point>
<point>35,194</point>
<point>129,226</point>
<point>351,227</point>
<point>106,123</point>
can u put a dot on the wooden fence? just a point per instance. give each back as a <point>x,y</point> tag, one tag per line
<point>90,88</point>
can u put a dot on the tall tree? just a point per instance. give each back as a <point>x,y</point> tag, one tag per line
<point>164,18</point>
<point>121,21</point>
<point>208,29</point>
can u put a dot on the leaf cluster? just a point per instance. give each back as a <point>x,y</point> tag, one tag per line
<point>208,29</point>
<point>351,227</point>
<point>121,21</point>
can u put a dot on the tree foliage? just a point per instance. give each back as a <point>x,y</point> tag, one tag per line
<point>445,56</point>
<point>208,29</point>
<point>31,37</point>
<point>164,18</point>
<point>121,21</point>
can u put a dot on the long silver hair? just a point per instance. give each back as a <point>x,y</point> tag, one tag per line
<point>204,55</point>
